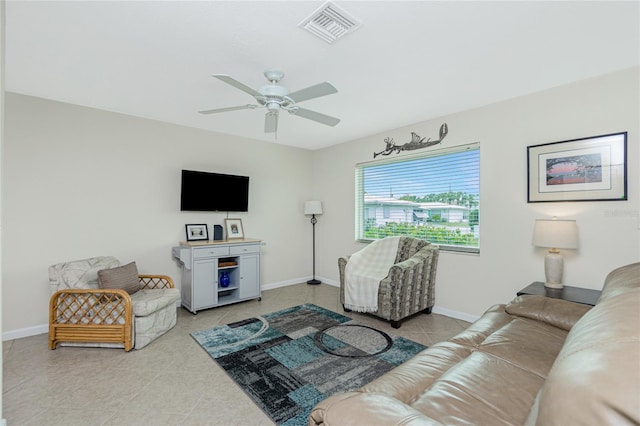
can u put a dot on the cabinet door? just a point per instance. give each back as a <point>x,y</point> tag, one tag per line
<point>249,276</point>
<point>205,283</point>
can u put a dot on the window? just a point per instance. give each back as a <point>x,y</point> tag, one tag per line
<point>434,196</point>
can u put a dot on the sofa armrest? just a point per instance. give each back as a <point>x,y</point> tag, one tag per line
<point>557,312</point>
<point>358,408</point>
<point>155,281</point>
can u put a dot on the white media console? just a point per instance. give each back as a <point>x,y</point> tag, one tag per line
<point>203,263</point>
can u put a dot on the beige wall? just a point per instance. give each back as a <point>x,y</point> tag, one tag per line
<point>468,284</point>
<point>81,182</point>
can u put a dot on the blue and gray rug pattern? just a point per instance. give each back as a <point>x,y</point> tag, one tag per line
<point>288,361</point>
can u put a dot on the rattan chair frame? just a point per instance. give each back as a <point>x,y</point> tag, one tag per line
<point>73,312</point>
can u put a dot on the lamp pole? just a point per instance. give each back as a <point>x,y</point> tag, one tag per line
<point>313,224</point>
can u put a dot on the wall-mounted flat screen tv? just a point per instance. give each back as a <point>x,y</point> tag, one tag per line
<point>212,192</point>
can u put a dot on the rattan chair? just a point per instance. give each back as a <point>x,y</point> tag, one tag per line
<point>409,287</point>
<point>82,314</point>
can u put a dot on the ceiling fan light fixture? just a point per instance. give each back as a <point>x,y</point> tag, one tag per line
<point>273,90</point>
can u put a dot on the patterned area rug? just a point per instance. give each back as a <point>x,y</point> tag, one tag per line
<point>290,360</point>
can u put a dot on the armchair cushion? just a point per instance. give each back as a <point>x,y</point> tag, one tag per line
<point>121,278</point>
<point>79,274</point>
<point>146,302</point>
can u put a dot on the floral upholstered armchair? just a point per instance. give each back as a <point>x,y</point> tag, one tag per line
<point>97,302</point>
<point>391,278</point>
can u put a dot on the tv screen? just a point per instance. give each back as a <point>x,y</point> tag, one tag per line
<point>204,191</point>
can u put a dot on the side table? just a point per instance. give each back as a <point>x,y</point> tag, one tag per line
<point>572,294</point>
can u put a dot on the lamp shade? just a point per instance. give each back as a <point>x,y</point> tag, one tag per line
<point>313,207</point>
<point>554,233</point>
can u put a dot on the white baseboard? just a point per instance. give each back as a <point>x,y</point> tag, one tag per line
<point>301,280</point>
<point>454,314</point>
<point>25,332</point>
<point>44,328</point>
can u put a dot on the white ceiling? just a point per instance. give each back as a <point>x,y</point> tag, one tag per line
<point>408,62</point>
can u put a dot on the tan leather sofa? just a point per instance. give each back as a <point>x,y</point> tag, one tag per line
<point>534,361</point>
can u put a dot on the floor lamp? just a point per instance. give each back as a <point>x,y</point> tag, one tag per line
<point>313,208</point>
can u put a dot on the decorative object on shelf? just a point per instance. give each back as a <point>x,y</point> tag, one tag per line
<point>234,229</point>
<point>197,232</point>
<point>586,169</point>
<point>313,208</point>
<point>224,279</point>
<point>416,142</point>
<point>555,234</point>
<point>217,233</point>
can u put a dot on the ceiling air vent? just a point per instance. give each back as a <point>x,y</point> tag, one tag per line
<point>330,23</point>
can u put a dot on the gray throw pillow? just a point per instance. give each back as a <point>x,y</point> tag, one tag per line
<point>123,278</point>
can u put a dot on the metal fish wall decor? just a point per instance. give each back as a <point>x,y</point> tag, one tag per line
<point>416,142</point>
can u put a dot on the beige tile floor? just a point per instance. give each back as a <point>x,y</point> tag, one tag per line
<point>173,381</point>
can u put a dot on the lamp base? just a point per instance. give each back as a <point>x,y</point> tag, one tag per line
<point>553,268</point>
<point>314,282</point>
<point>554,286</point>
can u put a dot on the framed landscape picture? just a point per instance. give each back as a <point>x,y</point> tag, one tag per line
<point>587,169</point>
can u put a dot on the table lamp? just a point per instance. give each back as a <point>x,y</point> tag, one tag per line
<point>555,234</point>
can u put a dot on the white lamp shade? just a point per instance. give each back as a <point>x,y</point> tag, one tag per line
<point>554,233</point>
<point>313,207</point>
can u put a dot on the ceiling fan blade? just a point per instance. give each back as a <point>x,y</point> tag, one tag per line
<point>235,108</point>
<point>315,116</point>
<point>235,83</point>
<point>271,122</point>
<point>311,92</point>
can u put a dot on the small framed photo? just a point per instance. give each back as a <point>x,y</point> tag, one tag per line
<point>234,229</point>
<point>587,169</point>
<point>197,232</point>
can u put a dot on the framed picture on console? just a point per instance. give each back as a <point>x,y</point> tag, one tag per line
<point>197,232</point>
<point>587,169</point>
<point>234,229</point>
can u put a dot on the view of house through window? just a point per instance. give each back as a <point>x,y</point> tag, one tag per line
<point>434,196</point>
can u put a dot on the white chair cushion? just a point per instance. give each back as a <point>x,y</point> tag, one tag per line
<point>145,302</point>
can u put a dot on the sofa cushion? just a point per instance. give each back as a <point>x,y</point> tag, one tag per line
<point>147,301</point>
<point>556,312</point>
<point>120,278</point>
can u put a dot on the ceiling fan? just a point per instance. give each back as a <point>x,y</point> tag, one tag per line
<point>276,98</point>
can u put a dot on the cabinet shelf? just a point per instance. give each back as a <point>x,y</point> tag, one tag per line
<point>229,288</point>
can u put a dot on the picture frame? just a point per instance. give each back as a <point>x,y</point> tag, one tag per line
<point>197,232</point>
<point>586,169</point>
<point>234,229</point>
